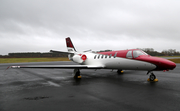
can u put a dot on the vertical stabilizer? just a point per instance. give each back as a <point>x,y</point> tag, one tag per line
<point>70,46</point>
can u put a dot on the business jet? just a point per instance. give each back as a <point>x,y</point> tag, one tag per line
<point>132,59</point>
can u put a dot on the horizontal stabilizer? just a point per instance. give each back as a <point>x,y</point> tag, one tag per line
<point>61,52</point>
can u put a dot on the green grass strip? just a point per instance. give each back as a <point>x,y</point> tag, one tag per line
<point>175,60</point>
<point>21,60</point>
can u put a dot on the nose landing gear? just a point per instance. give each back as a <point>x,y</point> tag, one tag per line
<point>152,77</point>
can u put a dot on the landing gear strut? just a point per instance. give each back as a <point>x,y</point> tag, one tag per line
<point>152,77</point>
<point>77,74</point>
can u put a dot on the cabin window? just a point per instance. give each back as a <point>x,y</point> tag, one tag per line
<point>106,56</point>
<point>102,56</point>
<point>98,56</point>
<point>129,54</point>
<point>95,56</point>
<point>110,55</point>
<point>115,54</point>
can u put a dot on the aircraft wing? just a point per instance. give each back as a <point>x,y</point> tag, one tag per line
<point>60,66</point>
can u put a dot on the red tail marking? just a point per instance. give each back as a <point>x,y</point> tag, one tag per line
<point>69,43</point>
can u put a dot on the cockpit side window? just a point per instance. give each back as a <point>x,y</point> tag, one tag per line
<point>129,54</point>
<point>137,53</point>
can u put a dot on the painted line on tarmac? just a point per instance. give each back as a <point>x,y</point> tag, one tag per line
<point>53,84</point>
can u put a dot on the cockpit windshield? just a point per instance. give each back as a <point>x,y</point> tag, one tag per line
<point>137,53</point>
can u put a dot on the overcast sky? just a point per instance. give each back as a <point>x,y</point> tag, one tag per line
<point>42,25</point>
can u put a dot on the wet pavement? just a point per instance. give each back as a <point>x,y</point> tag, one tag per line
<point>101,90</point>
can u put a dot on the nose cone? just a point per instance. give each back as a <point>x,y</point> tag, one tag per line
<point>171,65</point>
<point>165,64</point>
<point>161,63</point>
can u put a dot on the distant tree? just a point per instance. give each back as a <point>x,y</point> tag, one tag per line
<point>36,54</point>
<point>151,51</point>
<point>170,52</point>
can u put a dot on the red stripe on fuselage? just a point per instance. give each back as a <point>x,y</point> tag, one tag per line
<point>120,53</point>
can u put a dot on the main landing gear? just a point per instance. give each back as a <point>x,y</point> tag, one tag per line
<point>77,74</point>
<point>152,77</point>
<point>120,71</point>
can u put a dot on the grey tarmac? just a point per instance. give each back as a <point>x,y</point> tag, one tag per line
<point>100,90</point>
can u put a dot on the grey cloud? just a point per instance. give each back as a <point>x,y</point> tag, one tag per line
<point>116,22</point>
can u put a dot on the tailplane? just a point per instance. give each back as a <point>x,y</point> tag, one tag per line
<point>70,46</point>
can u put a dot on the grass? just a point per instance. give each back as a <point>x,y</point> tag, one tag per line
<point>167,56</point>
<point>175,60</point>
<point>21,60</point>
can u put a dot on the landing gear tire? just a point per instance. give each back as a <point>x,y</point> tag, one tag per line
<point>120,71</point>
<point>77,74</point>
<point>152,77</point>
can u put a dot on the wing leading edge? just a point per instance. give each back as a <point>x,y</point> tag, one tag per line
<point>60,66</point>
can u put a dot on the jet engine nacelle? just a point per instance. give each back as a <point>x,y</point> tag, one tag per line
<point>79,58</point>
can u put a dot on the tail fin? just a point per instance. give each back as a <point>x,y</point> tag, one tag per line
<point>70,46</point>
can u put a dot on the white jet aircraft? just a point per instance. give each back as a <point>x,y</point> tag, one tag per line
<point>133,59</point>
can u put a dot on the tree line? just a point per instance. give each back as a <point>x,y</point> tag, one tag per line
<point>169,52</point>
<point>150,51</point>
